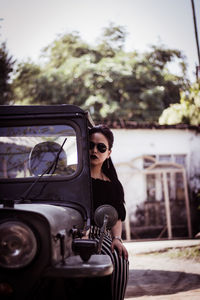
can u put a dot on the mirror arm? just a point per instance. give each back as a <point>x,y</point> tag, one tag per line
<point>102,233</point>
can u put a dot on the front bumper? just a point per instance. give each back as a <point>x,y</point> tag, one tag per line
<point>74,267</point>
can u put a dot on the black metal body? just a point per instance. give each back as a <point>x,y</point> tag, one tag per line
<point>57,191</point>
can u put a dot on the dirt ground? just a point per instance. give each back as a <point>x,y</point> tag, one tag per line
<point>154,277</point>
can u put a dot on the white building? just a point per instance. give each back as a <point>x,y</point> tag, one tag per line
<point>137,148</point>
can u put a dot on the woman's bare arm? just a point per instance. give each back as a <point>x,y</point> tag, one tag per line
<point>116,232</point>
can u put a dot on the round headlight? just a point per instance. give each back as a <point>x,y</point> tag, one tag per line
<point>18,245</point>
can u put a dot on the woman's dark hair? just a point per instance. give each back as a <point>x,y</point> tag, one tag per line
<point>108,167</point>
<point>105,130</point>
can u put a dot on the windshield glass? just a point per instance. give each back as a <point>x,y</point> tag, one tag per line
<point>29,151</point>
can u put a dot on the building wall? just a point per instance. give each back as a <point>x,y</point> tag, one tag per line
<point>132,143</point>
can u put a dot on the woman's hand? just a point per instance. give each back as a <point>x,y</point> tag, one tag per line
<point>118,245</point>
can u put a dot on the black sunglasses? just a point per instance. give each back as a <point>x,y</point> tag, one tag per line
<point>101,147</point>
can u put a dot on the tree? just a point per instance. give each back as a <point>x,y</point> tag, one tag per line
<point>105,79</point>
<point>187,111</point>
<point>111,40</point>
<point>6,68</point>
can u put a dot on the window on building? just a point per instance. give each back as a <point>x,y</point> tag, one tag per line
<point>175,180</point>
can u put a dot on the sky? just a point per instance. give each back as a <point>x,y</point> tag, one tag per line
<point>27,26</point>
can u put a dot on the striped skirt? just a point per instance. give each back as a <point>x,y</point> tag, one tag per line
<point>120,265</point>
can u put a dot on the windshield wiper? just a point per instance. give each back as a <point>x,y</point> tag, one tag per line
<point>47,171</point>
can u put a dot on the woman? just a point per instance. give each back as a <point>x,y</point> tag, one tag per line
<point>107,189</point>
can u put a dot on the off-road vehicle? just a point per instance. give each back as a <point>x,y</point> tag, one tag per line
<point>46,207</point>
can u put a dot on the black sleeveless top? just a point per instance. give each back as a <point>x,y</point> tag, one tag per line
<point>107,192</point>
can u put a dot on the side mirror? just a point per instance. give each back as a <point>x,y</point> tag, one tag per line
<point>108,212</point>
<point>105,216</point>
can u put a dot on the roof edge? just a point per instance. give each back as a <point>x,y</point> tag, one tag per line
<point>122,124</point>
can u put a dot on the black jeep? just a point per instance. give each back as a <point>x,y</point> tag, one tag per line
<point>46,207</point>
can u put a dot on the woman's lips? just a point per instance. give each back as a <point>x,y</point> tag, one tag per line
<point>93,157</point>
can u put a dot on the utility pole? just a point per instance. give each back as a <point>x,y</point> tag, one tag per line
<point>1,19</point>
<point>197,41</point>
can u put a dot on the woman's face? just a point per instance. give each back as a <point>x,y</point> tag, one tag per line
<point>97,157</point>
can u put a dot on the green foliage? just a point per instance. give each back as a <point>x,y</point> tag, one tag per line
<point>6,68</point>
<point>103,79</point>
<point>187,111</point>
<point>112,40</point>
